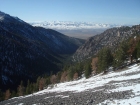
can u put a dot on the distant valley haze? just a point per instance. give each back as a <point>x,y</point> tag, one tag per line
<point>81,30</point>
<point>82,33</point>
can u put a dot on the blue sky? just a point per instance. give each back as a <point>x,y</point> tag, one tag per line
<point>98,11</point>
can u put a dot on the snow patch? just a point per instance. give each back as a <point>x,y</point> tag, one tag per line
<point>130,101</point>
<point>1,18</point>
<point>21,104</point>
<point>136,89</point>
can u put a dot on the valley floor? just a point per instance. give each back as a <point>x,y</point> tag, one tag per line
<point>114,88</point>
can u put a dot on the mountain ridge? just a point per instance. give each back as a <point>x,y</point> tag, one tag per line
<point>28,52</point>
<point>109,38</point>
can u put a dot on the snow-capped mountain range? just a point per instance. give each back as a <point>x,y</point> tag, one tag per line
<point>69,25</point>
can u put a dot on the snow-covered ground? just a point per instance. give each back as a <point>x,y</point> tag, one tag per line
<point>100,80</point>
<point>127,80</point>
<point>95,81</point>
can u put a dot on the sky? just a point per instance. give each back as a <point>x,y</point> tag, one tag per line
<point>98,11</point>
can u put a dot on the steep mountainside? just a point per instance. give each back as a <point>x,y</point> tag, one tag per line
<point>111,38</point>
<point>27,52</point>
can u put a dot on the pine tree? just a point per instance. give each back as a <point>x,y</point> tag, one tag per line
<point>53,79</point>
<point>132,48</point>
<point>31,88</point>
<point>1,95</point>
<point>70,73</point>
<point>63,76</point>
<point>48,81</point>
<point>105,59</point>
<point>138,49</point>
<point>41,83</point>
<point>119,57</point>
<point>94,64</point>
<point>28,90</point>
<point>37,83</point>
<point>7,94</point>
<point>13,94</point>
<point>58,77</point>
<point>75,77</point>
<point>21,89</point>
<point>35,87</point>
<point>79,69</point>
<point>88,70</point>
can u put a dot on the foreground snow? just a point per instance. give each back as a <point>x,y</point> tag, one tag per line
<point>131,101</point>
<point>122,81</point>
<point>100,80</point>
<point>95,81</point>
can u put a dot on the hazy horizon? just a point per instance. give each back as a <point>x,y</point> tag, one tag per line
<point>119,12</point>
<point>98,11</point>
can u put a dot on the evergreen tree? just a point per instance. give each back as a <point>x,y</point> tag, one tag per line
<point>138,49</point>
<point>70,73</point>
<point>37,83</point>
<point>48,81</point>
<point>13,94</point>
<point>31,88</point>
<point>53,79</point>
<point>63,76</point>
<point>119,57</point>
<point>41,83</point>
<point>79,69</point>
<point>34,88</point>
<point>94,64</point>
<point>28,90</point>
<point>88,70</point>
<point>75,77</point>
<point>105,59</point>
<point>7,94</point>
<point>21,89</point>
<point>132,48</point>
<point>1,95</point>
<point>58,77</point>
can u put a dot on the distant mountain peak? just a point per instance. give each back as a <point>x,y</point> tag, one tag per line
<point>7,18</point>
<point>69,25</point>
<point>2,15</point>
